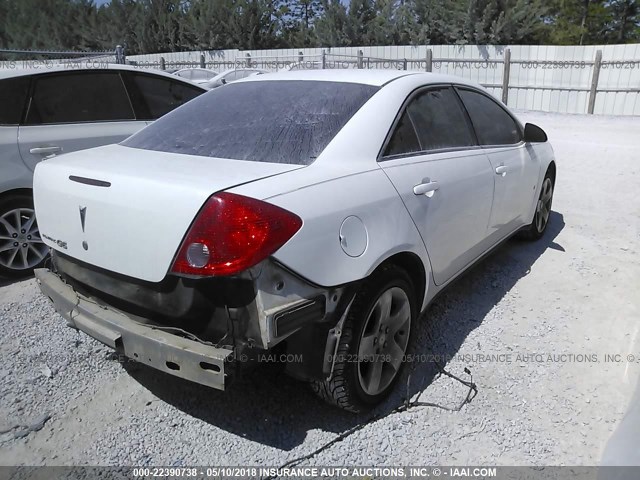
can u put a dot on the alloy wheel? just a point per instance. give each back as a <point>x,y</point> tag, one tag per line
<point>384,341</point>
<point>21,247</point>
<point>543,209</point>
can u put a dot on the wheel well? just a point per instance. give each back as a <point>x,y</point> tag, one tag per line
<point>551,170</point>
<point>14,192</point>
<point>412,264</point>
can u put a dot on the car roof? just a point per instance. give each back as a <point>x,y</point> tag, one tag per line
<point>191,69</point>
<point>83,66</point>
<point>365,76</point>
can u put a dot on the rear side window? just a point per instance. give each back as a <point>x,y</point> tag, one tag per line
<point>159,95</point>
<point>493,125</point>
<point>404,139</point>
<point>432,120</point>
<point>439,120</point>
<point>13,94</point>
<point>270,121</point>
<point>79,97</point>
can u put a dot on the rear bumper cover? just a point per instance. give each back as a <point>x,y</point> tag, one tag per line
<point>163,351</point>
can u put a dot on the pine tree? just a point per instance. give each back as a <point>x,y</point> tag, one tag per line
<point>330,28</point>
<point>360,22</point>
<point>624,24</point>
<point>438,23</point>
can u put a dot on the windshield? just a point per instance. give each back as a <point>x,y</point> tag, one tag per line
<point>270,121</point>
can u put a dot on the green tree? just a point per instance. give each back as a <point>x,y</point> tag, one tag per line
<point>331,27</point>
<point>439,23</point>
<point>624,23</point>
<point>360,20</point>
<point>578,22</point>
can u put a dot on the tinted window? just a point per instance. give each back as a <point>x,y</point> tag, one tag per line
<point>404,138</point>
<point>270,121</point>
<point>439,120</point>
<point>84,97</point>
<point>161,95</point>
<point>493,125</point>
<point>13,93</point>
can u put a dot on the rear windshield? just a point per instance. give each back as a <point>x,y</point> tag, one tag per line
<point>270,121</point>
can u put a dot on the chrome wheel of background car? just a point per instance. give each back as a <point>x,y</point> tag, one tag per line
<point>21,247</point>
<point>543,209</point>
<point>384,341</point>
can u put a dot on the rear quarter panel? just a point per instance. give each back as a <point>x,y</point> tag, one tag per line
<point>315,252</point>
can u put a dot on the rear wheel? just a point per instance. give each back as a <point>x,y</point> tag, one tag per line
<point>373,344</point>
<point>21,248</point>
<point>537,228</point>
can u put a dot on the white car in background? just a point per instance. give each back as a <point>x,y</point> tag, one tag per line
<point>196,75</point>
<point>44,113</point>
<point>232,75</point>
<point>313,213</point>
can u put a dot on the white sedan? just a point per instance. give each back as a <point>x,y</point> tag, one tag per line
<point>312,215</point>
<point>196,75</point>
<point>231,75</point>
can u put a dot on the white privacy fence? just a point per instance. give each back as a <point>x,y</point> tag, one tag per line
<point>565,79</point>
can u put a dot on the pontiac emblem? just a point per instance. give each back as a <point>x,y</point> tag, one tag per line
<point>83,215</point>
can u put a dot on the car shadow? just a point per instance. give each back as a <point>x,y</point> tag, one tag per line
<point>5,281</point>
<point>268,407</point>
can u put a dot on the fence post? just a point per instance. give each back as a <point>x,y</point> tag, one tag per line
<point>429,60</point>
<point>360,55</point>
<point>202,62</point>
<point>163,65</point>
<point>300,57</point>
<point>594,82</point>
<point>404,63</point>
<point>324,60</point>
<point>120,55</point>
<point>248,60</point>
<point>505,75</point>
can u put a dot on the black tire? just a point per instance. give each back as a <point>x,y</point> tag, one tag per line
<point>346,387</point>
<point>538,226</point>
<point>15,269</point>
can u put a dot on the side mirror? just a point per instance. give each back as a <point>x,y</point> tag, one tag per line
<point>534,134</point>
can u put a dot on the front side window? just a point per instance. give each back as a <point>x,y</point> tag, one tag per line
<point>79,97</point>
<point>160,95</point>
<point>271,121</point>
<point>493,125</point>
<point>13,94</point>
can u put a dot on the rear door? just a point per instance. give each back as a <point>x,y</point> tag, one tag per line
<point>516,173</point>
<point>13,96</point>
<point>73,111</point>
<point>443,177</point>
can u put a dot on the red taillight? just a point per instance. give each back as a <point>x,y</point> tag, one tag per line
<point>232,233</point>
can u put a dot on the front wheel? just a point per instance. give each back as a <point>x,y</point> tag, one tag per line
<point>21,248</point>
<point>373,344</point>
<point>537,228</point>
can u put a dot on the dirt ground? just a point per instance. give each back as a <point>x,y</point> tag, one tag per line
<point>549,331</point>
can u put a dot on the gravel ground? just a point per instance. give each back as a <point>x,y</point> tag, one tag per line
<point>65,399</point>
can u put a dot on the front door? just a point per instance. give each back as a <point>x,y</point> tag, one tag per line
<point>516,172</point>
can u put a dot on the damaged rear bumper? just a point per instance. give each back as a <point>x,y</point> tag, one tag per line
<point>173,354</point>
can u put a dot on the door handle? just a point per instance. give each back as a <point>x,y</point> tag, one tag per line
<point>45,150</point>
<point>501,170</point>
<point>427,189</point>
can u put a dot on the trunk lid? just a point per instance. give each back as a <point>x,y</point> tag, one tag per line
<point>127,210</point>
